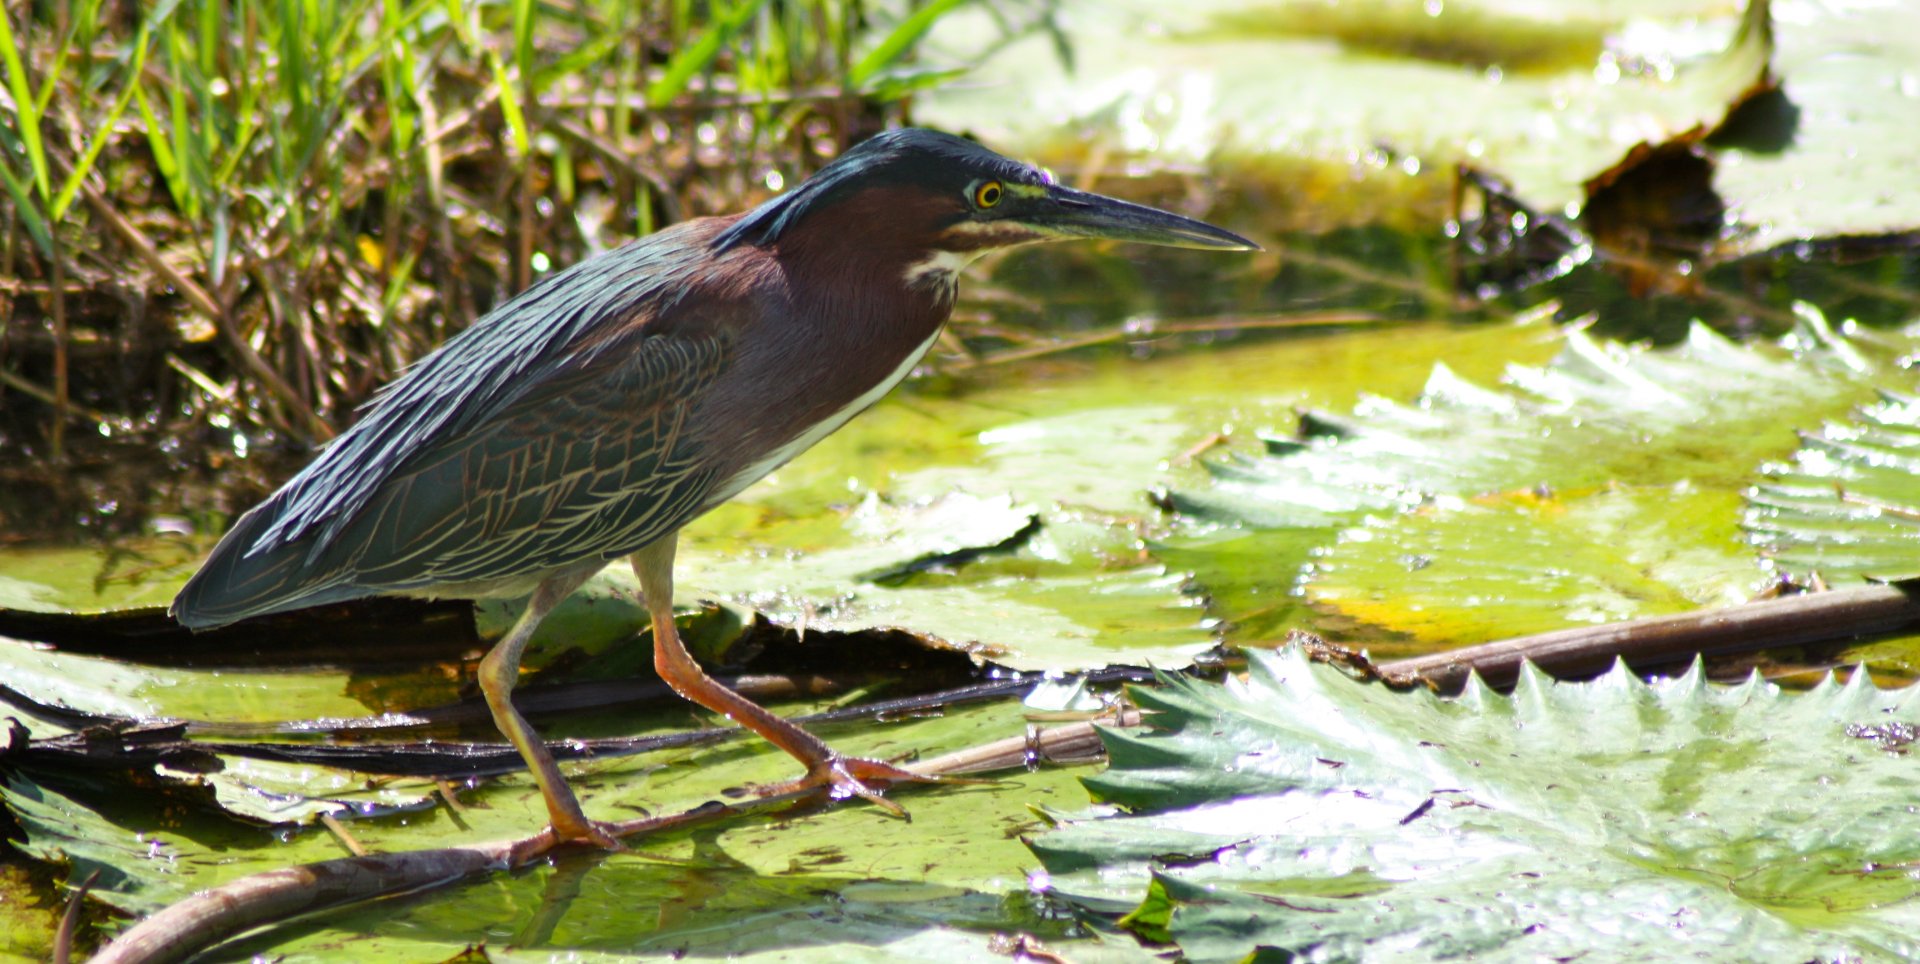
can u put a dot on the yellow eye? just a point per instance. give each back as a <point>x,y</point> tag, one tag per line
<point>987,195</point>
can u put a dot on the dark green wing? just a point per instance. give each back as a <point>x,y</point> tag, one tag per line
<point>591,462</point>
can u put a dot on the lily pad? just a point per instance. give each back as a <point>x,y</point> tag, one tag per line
<point>1600,487</point>
<point>1634,415</point>
<point>1522,563</point>
<point>1304,813</point>
<point>1813,107</point>
<point>1829,157</point>
<point>1848,506</point>
<point>852,881</point>
<point>129,690</point>
<point>143,572</point>
<point>1546,101</point>
<point>1077,594</point>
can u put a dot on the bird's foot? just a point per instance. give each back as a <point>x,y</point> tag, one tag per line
<point>851,776</point>
<point>583,834</point>
<point>590,833</point>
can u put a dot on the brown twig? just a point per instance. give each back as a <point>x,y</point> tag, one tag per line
<point>211,916</point>
<point>57,437</point>
<point>342,834</point>
<point>1815,617</point>
<point>47,397</point>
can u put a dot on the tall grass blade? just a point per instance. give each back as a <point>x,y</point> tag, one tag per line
<point>63,53</point>
<point>523,46</point>
<point>26,109</point>
<point>697,57</point>
<point>160,145</point>
<point>23,201</point>
<point>396,77</point>
<point>187,184</point>
<point>103,129</point>
<point>899,42</point>
<point>510,105</point>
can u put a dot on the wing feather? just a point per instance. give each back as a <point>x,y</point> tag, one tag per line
<point>477,376</point>
<point>591,461</point>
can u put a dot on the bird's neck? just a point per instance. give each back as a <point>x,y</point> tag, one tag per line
<point>864,268</point>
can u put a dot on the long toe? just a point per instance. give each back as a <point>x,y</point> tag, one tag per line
<point>851,776</point>
<point>589,832</point>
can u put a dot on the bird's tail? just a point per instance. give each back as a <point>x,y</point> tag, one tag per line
<point>234,584</point>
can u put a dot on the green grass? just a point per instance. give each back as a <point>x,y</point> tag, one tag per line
<point>295,198</point>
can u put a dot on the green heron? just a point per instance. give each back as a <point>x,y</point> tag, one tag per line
<point>597,412</point>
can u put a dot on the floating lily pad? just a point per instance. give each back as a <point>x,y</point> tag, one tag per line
<point>1076,593</point>
<point>122,689</point>
<point>1305,813</point>
<point>1556,103</point>
<point>1546,101</point>
<point>145,572</point>
<point>1830,157</point>
<point>1600,487</point>
<point>1516,564</point>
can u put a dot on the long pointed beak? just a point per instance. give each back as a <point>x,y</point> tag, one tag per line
<point>1068,213</point>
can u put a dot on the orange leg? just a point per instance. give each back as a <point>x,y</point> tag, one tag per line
<point>841,776</point>
<point>498,672</point>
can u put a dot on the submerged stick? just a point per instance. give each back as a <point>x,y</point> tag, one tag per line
<point>1815,617</point>
<point>213,915</point>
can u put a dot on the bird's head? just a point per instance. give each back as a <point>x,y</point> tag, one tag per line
<point>949,200</point>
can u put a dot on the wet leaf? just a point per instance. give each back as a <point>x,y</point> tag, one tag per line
<point>1546,101</point>
<point>1829,157</point>
<point>1848,506</point>
<point>124,689</point>
<point>1077,594</point>
<point>139,871</point>
<point>286,793</point>
<point>144,572</point>
<point>1600,487</point>
<point>1308,813</point>
<point>1517,564</point>
<point>845,881</point>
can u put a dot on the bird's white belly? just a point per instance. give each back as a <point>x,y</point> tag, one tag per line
<point>819,430</point>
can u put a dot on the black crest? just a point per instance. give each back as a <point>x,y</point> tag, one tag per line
<point>912,155</point>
